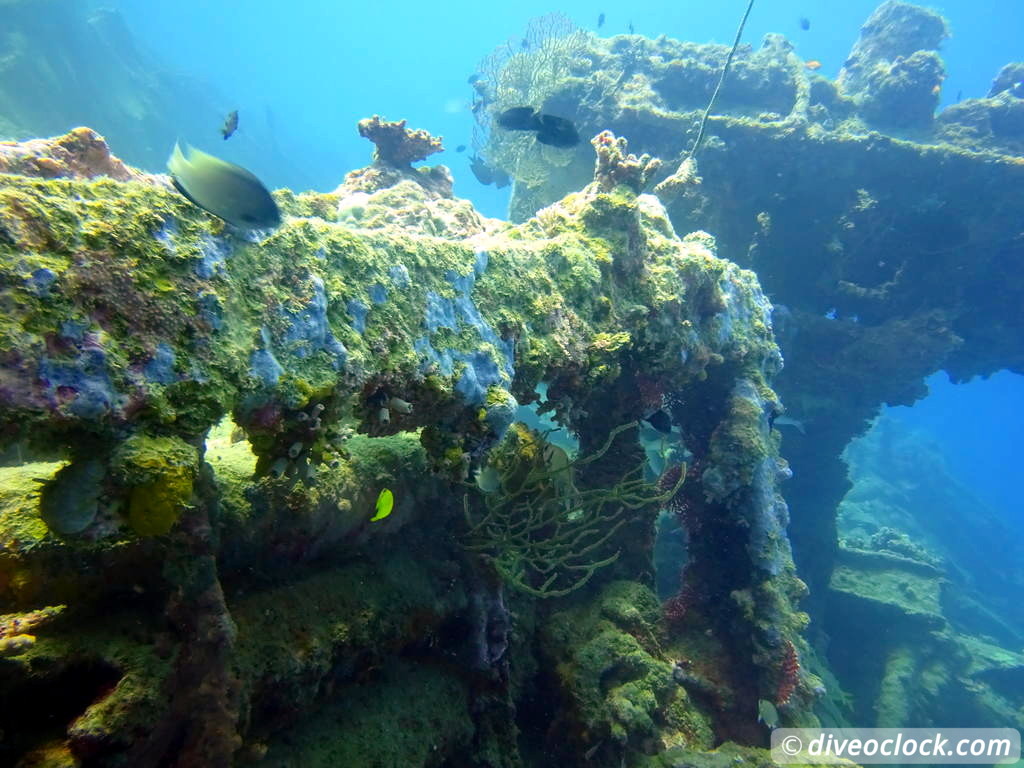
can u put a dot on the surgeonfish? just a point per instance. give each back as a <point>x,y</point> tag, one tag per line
<point>488,479</point>
<point>224,189</point>
<point>767,713</point>
<point>230,125</point>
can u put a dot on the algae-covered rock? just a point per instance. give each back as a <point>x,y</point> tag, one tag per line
<point>159,471</point>
<point>625,692</point>
<point>893,70</point>
<point>234,405</point>
<point>21,522</point>
<point>406,714</point>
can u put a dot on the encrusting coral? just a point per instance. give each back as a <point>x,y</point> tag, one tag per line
<point>81,154</point>
<point>196,400</point>
<point>397,145</point>
<point>615,166</point>
<point>16,628</point>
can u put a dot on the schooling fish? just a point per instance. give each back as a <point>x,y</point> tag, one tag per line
<point>230,125</point>
<point>224,189</point>
<point>460,148</point>
<point>814,65</point>
<point>600,20</point>
<point>805,23</point>
<point>551,130</point>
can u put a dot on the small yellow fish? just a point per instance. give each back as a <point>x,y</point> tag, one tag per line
<point>385,503</point>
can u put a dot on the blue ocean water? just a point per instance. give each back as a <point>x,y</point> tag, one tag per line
<point>980,427</point>
<point>317,67</point>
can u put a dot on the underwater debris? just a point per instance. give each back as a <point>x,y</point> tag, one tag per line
<point>224,189</point>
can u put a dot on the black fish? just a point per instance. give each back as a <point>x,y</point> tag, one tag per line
<point>551,130</point>
<point>473,78</point>
<point>631,30</point>
<point>660,421</point>
<point>557,132</point>
<point>805,23</point>
<point>481,170</point>
<point>600,21</point>
<point>460,148</point>
<point>520,119</point>
<point>230,125</point>
<point>525,44</point>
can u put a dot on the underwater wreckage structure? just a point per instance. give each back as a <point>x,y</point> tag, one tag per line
<point>197,426</point>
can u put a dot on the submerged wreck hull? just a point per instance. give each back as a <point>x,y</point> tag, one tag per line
<point>197,424</point>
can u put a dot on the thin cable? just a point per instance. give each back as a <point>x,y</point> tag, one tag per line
<point>721,79</point>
